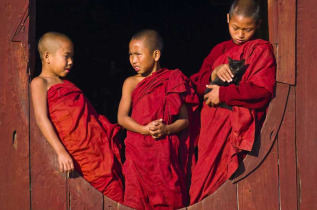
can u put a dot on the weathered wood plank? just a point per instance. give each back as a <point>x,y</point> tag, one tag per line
<point>19,9</point>
<point>286,41</point>
<point>223,198</point>
<point>82,195</point>
<point>306,99</point>
<point>14,143</point>
<point>287,156</point>
<point>14,115</point>
<point>196,206</point>
<point>260,189</point>
<point>48,184</point>
<point>269,132</point>
<point>273,23</point>
<point>110,204</point>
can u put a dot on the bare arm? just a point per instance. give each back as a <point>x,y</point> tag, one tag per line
<point>39,99</point>
<point>124,109</point>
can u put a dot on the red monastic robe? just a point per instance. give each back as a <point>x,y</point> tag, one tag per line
<point>90,138</point>
<point>226,135</point>
<point>155,170</point>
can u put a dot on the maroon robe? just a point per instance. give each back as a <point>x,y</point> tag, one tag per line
<point>225,135</point>
<point>90,138</point>
<point>155,170</point>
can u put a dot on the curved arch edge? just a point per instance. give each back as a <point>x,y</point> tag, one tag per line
<point>264,142</point>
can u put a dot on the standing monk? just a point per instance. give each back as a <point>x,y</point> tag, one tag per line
<point>226,135</point>
<point>157,108</point>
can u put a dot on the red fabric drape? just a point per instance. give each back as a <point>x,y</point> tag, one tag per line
<point>155,171</point>
<point>91,140</point>
<point>226,134</point>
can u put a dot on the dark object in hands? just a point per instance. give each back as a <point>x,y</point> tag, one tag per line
<point>237,68</point>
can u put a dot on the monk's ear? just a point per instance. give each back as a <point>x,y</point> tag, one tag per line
<point>228,17</point>
<point>157,55</point>
<point>46,57</point>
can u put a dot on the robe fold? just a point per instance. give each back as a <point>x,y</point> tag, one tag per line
<point>156,170</point>
<point>226,135</point>
<point>91,140</point>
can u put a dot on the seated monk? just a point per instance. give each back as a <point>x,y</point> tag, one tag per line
<point>227,135</point>
<point>82,139</point>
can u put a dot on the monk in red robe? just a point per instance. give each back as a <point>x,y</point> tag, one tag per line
<point>226,135</point>
<point>159,148</point>
<point>82,139</point>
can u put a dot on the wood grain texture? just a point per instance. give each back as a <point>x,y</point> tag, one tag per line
<point>14,112</point>
<point>260,189</point>
<point>287,156</point>
<point>110,204</point>
<point>306,99</point>
<point>286,41</point>
<point>223,198</point>
<point>197,206</point>
<point>82,195</point>
<point>273,23</point>
<point>48,184</point>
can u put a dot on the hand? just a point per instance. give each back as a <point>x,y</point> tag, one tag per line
<point>158,129</point>
<point>223,72</point>
<point>147,129</point>
<point>65,162</point>
<point>212,98</point>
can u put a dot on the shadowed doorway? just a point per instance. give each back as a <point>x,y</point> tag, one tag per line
<point>101,31</point>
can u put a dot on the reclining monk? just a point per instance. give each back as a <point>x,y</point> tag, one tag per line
<point>82,139</point>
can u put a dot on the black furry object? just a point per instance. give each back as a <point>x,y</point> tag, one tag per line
<point>237,68</point>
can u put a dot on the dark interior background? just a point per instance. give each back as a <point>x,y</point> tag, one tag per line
<point>101,31</point>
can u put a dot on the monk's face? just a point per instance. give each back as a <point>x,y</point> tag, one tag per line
<point>61,61</point>
<point>241,28</point>
<point>141,58</point>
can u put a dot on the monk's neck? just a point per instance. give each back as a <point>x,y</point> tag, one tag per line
<point>157,67</point>
<point>47,73</point>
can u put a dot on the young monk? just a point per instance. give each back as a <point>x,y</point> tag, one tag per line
<point>226,135</point>
<point>158,148</point>
<point>82,139</point>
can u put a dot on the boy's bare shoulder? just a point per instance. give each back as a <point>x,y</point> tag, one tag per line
<point>131,82</point>
<point>39,82</point>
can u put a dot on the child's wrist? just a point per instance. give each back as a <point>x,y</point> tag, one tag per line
<point>144,130</point>
<point>61,152</point>
<point>213,74</point>
<point>167,130</point>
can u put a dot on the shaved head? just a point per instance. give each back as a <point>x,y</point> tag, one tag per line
<point>246,8</point>
<point>50,42</point>
<point>152,39</point>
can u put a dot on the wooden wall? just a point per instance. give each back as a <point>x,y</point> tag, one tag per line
<point>306,99</point>
<point>14,105</point>
<point>279,176</point>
